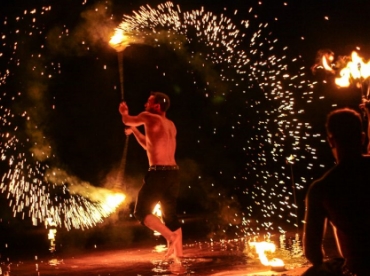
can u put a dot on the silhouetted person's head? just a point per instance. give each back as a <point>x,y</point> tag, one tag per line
<point>345,134</point>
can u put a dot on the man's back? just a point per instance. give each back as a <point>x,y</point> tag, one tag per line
<point>343,194</point>
<point>161,140</point>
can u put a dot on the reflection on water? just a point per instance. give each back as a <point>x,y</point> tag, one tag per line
<point>201,258</point>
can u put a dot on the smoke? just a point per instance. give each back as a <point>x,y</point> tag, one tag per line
<point>77,186</point>
<point>36,120</point>
<point>95,27</point>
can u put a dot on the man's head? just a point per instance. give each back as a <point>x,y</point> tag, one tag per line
<point>157,103</point>
<point>344,129</point>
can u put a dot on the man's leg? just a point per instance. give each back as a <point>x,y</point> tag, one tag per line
<point>174,239</point>
<point>153,222</point>
<point>178,243</point>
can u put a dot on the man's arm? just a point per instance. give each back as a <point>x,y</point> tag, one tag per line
<point>130,120</point>
<point>133,122</point>
<point>314,228</point>
<point>140,137</point>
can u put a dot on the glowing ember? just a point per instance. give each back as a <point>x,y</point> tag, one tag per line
<point>261,248</point>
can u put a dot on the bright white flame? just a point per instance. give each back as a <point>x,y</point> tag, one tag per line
<point>261,248</point>
<point>51,234</point>
<point>157,212</point>
<point>113,201</point>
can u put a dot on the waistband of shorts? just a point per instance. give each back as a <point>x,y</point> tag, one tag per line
<point>163,168</point>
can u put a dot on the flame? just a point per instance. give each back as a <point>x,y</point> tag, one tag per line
<point>352,69</point>
<point>261,248</point>
<point>119,40</point>
<point>157,212</point>
<point>112,201</point>
<point>326,60</point>
<point>51,234</point>
<point>356,69</point>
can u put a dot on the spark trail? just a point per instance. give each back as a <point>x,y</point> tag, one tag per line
<point>254,69</point>
<point>35,187</point>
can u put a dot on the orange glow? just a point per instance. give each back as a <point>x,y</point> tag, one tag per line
<point>261,248</point>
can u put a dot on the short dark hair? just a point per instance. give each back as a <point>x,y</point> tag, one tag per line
<point>162,99</point>
<point>345,125</point>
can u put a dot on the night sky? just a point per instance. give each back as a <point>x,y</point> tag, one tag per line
<point>231,148</point>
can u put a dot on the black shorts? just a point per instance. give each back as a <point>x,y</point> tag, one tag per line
<point>159,186</point>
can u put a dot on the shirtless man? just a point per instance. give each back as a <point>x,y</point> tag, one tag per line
<point>341,197</point>
<point>161,182</point>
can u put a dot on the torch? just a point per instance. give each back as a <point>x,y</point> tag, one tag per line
<point>119,41</point>
<point>350,70</point>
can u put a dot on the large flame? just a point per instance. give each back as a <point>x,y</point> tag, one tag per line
<point>352,69</point>
<point>356,69</point>
<point>261,248</point>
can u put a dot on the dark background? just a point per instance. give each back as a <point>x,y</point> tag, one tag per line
<point>223,177</point>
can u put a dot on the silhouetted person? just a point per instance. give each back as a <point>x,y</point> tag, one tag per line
<point>161,182</point>
<point>365,106</point>
<point>341,197</point>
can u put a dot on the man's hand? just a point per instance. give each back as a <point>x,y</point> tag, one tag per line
<point>365,104</point>
<point>123,108</point>
<point>128,131</point>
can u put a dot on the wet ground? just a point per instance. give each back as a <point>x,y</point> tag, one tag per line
<point>201,258</point>
<point>142,253</point>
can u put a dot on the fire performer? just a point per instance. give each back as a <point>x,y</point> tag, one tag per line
<point>365,106</point>
<point>161,182</point>
<point>341,197</point>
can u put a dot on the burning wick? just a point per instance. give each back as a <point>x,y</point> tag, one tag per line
<point>261,248</point>
<point>119,40</point>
